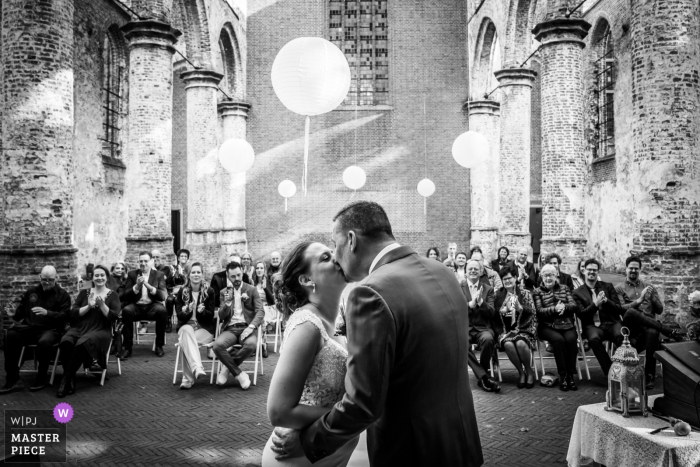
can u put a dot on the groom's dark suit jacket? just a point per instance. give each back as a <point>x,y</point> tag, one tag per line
<point>407,381</point>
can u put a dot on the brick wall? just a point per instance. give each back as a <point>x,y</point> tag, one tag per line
<point>427,59</point>
<point>178,188</point>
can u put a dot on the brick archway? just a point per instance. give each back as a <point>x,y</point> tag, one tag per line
<point>485,56</point>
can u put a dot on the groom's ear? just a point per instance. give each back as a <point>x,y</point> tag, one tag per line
<point>352,240</point>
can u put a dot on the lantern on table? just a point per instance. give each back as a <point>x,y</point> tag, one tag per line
<point>626,381</point>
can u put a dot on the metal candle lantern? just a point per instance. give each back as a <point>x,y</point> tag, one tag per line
<point>626,381</point>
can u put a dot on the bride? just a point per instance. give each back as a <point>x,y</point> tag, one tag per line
<point>310,373</point>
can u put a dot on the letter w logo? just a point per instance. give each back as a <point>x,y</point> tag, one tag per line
<point>63,412</point>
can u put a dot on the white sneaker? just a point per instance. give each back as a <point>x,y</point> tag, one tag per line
<point>244,380</point>
<point>210,353</point>
<point>186,383</point>
<point>143,329</point>
<point>223,376</point>
<point>199,372</point>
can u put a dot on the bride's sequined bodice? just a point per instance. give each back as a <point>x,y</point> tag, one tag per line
<point>325,384</point>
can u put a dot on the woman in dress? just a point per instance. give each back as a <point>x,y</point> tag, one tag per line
<point>310,374</point>
<point>94,311</point>
<point>515,325</point>
<point>196,323</point>
<point>460,266</point>
<point>433,253</point>
<point>264,287</point>
<point>502,260</point>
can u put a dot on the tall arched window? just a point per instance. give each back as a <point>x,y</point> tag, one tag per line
<point>111,98</point>
<point>360,29</point>
<point>604,93</point>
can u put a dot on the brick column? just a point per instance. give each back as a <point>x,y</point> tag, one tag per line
<point>149,155</point>
<point>206,197</point>
<point>234,115</point>
<point>514,173</point>
<point>665,164</point>
<point>37,172</point>
<point>484,118</point>
<point>563,162</point>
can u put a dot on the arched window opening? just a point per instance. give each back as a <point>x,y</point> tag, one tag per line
<point>604,94</point>
<point>360,29</point>
<point>111,99</point>
<point>228,61</point>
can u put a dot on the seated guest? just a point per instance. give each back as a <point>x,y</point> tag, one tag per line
<point>196,323</point>
<point>241,313</point>
<point>527,274</point>
<point>219,281</point>
<point>264,287</point>
<point>117,278</point>
<point>488,275</point>
<point>480,308</point>
<point>161,265</point>
<point>556,316</point>
<point>596,296</point>
<point>562,277</point>
<point>515,325</point>
<point>143,299</point>
<point>39,320</point>
<point>460,266</point>
<point>274,265</point>
<point>691,321</point>
<point>501,260</point>
<point>174,280</point>
<point>248,268</point>
<point>579,277</point>
<point>433,253</point>
<point>94,311</point>
<point>641,305</point>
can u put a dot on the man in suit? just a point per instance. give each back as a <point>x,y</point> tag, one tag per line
<point>527,274</point>
<point>241,313</point>
<point>487,275</point>
<point>220,281</point>
<point>598,296</point>
<point>273,266</point>
<point>480,297</point>
<point>564,279</point>
<point>142,299</point>
<point>160,265</point>
<point>407,381</point>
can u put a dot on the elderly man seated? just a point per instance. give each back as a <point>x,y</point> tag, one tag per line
<point>39,320</point>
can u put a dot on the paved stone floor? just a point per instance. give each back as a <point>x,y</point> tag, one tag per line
<point>141,419</point>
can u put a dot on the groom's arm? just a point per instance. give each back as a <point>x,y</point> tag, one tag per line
<point>371,342</point>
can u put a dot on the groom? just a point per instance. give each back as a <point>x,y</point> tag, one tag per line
<point>407,330</point>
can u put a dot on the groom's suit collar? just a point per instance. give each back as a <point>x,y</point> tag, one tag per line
<point>393,255</point>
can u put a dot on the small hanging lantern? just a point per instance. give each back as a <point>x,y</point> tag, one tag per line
<point>626,381</point>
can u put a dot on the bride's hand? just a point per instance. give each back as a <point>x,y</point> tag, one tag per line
<point>285,443</point>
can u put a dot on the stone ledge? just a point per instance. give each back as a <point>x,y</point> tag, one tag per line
<point>43,250</point>
<point>680,250</point>
<point>164,238</point>
<point>600,160</point>
<point>361,108</point>
<point>113,162</point>
<point>232,229</point>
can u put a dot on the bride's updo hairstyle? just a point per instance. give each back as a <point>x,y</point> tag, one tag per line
<point>289,293</point>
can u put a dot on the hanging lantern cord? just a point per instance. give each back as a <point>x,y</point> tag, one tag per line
<point>305,175</point>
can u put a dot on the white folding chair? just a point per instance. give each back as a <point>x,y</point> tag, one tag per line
<point>257,358</point>
<point>150,334</point>
<point>36,369</point>
<point>207,346</point>
<point>278,330</point>
<point>498,366</point>
<point>542,359</point>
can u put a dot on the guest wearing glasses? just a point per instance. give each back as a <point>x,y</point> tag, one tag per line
<point>460,266</point>
<point>488,275</point>
<point>601,297</point>
<point>174,280</point>
<point>515,325</point>
<point>502,260</point>
<point>196,323</point>
<point>433,253</point>
<point>117,278</point>
<point>579,277</point>
<point>264,288</point>
<point>94,310</point>
<point>248,269</point>
<point>556,310</point>
<point>562,277</point>
<point>39,320</point>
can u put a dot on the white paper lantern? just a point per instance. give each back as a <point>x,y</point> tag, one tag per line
<point>470,149</point>
<point>354,177</point>
<point>311,76</point>
<point>286,189</point>
<point>426,187</point>
<point>236,155</point>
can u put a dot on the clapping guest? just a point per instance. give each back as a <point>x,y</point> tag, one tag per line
<point>488,275</point>
<point>248,269</point>
<point>94,310</point>
<point>556,314</point>
<point>527,274</point>
<point>433,253</point>
<point>516,325</point>
<point>174,280</point>
<point>117,278</point>
<point>264,287</point>
<point>501,260</point>
<point>196,323</point>
<point>579,277</point>
<point>562,277</point>
<point>460,266</point>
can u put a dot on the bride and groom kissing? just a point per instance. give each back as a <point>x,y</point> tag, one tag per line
<point>403,377</point>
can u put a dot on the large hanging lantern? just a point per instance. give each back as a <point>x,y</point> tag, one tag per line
<point>236,155</point>
<point>426,188</point>
<point>626,381</point>
<point>354,177</point>
<point>470,149</point>
<point>286,189</point>
<point>310,76</point>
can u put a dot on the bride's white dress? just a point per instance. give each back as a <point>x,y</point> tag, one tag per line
<point>324,386</point>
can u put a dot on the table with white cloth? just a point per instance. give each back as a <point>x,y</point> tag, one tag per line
<point>610,439</point>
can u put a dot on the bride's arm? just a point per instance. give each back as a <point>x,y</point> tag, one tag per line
<point>292,369</point>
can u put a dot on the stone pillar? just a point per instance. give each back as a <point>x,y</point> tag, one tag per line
<point>234,115</point>
<point>514,174</point>
<point>563,161</point>
<point>37,172</point>
<point>484,118</point>
<point>149,155</point>
<point>665,164</point>
<point>206,198</point>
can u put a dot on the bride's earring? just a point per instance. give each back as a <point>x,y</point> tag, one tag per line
<point>314,287</point>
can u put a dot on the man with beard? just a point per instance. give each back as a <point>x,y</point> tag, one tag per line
<point>273,267</point>
<point>642,304</point>
<point>527,274</point>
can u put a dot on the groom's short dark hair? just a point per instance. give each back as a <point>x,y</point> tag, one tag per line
<point>365,218</point>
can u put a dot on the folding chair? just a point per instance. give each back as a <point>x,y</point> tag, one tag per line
<point>103,372</point>
<point>137,335</point>
<point>257,358</point>
<point>278,330</point>
<point>498,366</point>
<point>208,346</point>
<point>578,362</point>
<point>36,369</point>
